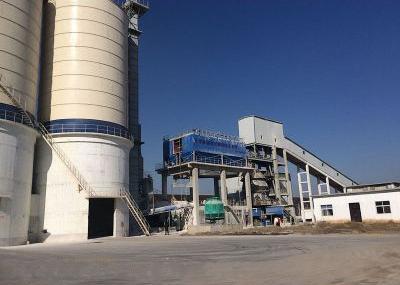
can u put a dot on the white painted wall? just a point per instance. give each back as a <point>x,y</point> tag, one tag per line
<point>16,163</point>
<point>341,212</point>
<point>261,131</point>
<point>268,132</point>
<point>246,130</point>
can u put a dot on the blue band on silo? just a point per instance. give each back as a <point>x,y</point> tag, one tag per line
<point>86,126</point>
<point>13,114</point>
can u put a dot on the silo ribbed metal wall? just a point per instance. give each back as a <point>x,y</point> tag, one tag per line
<point>86,55</point>
<point>20,29</point>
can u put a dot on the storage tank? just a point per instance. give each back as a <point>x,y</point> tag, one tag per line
<point>84,105</point>
<point>20,32</point>
<point>214,209</point>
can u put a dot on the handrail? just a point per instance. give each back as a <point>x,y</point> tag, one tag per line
<point>135,210</point>
<point>13,116</point>
<point>208,134</point>
<point>214,159</point>
<point>88,128</point>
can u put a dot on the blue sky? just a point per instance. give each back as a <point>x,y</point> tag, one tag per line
<point>329,70</point>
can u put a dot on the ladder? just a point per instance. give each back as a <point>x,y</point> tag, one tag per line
<point>73,170</point>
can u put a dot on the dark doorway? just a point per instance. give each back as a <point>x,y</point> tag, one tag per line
<point>101,217</point>
<point>355,212</point>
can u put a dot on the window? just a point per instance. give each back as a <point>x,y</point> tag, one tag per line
<point>326,210</point>
<point>383,207</point>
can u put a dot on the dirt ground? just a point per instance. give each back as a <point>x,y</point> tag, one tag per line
<point>338,259</point>
<point>320,228</point>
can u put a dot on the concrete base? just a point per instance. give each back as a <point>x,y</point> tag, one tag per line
<point>16,163</point>
<point>62,211</point>
<point>214,228</point>
<point>61,238</point>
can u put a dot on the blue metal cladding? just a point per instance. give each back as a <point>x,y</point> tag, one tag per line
<point>205,145</point>
<point>119,2</point>
<point>167,150</point>
<point>274,210</point>
<point>257,213</point>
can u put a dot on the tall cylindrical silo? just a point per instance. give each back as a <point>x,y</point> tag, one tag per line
<point>20,33</point>
<point>84,105</point>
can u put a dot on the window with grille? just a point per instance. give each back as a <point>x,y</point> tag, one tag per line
<point>383,207</point>
<point>327,210</point>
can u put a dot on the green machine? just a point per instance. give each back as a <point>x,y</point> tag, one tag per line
<point>214,209</point>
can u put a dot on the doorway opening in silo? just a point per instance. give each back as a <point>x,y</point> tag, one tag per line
<point>101,217</point>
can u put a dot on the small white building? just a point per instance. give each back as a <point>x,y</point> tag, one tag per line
<point>379,202</point>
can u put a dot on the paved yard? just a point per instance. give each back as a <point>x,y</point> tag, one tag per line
<point>294,260</point>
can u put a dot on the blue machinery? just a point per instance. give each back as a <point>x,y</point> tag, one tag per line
<point>204,147</point>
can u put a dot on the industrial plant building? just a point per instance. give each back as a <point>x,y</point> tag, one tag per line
<point>70,138</point>
<point>363,203</point>
<point>262,174</point>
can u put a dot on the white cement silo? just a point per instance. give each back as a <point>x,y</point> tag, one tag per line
<point>20,33</point>
<point>84,105</point>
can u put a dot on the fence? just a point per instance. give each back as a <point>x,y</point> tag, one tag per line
<point>205,158</point>
<point>87,128</point>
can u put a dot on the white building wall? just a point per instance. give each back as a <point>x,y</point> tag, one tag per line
<point>341,212</point>
<point>253,129</point>
<point>268,132</point>
<point>246,130</point>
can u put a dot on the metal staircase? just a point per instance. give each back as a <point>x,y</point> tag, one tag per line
<point>135,211</point>
<point>83,184</point>
<point>289,216</point>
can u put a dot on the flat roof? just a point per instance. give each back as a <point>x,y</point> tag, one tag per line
<point>261,118</point>
<point>374,185</point>
<point>397,189</point>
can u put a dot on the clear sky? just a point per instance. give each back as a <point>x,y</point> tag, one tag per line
<point>329,70</point>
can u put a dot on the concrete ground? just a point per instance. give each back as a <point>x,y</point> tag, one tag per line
<point>317,259</point>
